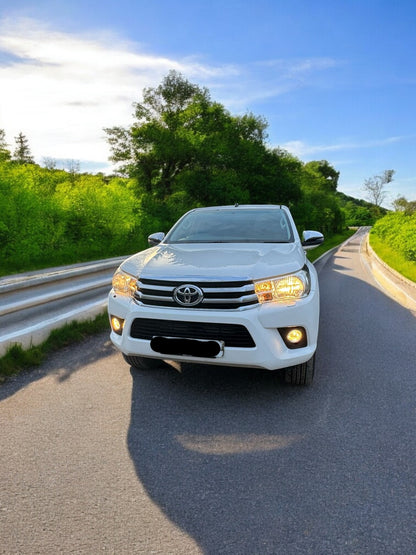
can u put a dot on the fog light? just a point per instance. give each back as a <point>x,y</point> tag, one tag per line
<point>117,325</point>
<point>294,338</point>
<point>295,335</point>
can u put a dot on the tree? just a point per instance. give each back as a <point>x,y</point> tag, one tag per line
<point>357,215</point>
<point>319,207</point>
<point>22,153</point>
<point>49,163</point>
<point>5,154</point>
<point>155,148</point>
<point>73,168</point>
<point>374,187</point>
<point>401,204</point>
<point>329,176</point>
<point>185,149</point>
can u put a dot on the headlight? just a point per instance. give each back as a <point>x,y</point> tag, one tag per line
<point>124,284</point>
<point>282,288</point>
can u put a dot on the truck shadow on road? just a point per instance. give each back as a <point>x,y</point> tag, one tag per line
<point>244,464</point>
<point>209,445</point>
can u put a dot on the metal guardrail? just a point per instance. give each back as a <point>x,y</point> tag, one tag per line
<point>35,303</point>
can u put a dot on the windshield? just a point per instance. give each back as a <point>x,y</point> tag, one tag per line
<point>233,226</point>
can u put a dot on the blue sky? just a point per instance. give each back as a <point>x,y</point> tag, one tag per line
<point>336,80</point>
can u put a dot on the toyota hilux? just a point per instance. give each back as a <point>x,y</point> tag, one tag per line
<point>227,285</point>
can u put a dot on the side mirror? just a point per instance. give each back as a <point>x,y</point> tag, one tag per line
<point>311,239</point>
<point>155,238</point>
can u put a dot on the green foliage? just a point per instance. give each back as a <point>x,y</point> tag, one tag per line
<point>48,219</point>
<point>17,359</point>
<point>5,153</point>
<point>398,231</point>
<point>183,145</point>
<point>324,171</point>
<point>319,208</point>
<point>358,212</point>
<point>356,215</point>
<point>401,204</point>
<point>393,258</point>
<point>22,154</point>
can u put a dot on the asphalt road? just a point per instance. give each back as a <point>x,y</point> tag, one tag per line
<point>97,458</point>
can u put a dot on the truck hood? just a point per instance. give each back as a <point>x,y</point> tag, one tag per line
<point>209,261</point>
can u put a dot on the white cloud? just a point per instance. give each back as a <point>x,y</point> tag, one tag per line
<point>264,80</point>
<point>301,149</point>
<point>62,89</point>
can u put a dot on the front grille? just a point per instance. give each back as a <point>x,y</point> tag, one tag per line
<point>233,335</point>
<point>216,294</point>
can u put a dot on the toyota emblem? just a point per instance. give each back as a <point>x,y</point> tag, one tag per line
<point>188,295</point>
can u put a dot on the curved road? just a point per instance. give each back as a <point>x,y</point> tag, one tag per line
<point>97,458</point>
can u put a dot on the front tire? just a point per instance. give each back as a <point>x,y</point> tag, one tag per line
<point>142,363</point>
<point>301,374</point>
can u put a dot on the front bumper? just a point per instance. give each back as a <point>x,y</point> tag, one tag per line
<point>261,321</point>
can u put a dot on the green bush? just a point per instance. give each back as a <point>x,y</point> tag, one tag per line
<point>52,217</point>
<point>398,231</point>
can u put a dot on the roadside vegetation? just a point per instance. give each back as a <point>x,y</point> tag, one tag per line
<point>17,359</point>
<point>393,238</point>
<point>51,217</point>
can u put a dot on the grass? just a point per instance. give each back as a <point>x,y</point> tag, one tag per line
<point>329,243</point>
<point>17,359</point>
<point>393,258</point>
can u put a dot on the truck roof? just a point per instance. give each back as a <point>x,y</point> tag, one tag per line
<point>245,207</point>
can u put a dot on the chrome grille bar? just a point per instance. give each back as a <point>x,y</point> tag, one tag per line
<point>217,294</point>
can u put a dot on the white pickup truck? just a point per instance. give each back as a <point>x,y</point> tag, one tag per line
<point>228,285</point>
